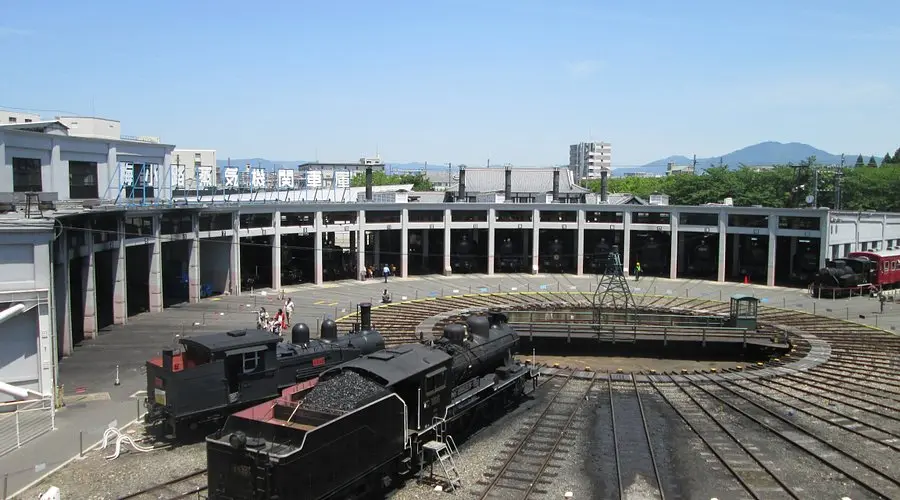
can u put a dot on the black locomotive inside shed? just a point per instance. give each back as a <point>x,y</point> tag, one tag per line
<point>746,256</point>
<point>557,250</point>
<point>137,275</point>
<point>597,245</point>
<point>468,251</point>
<point>297,258</point>
<point>256,262</point>
<point>796,260</point>
<point>426,251</point>
<point>512,250</point>
<point>698,255</point>
<point>651,249</point>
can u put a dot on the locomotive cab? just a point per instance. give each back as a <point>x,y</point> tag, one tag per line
<point>209,372</point>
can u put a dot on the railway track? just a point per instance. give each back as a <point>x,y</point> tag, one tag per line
<point>188,486</point>
<point>820,421</point>
<point>528,464</point>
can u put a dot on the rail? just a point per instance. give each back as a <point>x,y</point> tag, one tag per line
<point>661,319</point>
<point>630,332</point>
<point>22,421</point>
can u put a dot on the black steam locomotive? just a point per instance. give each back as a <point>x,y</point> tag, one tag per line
<point>806,263</point>
<point>704,256</point>
<point>599,258</point>
<point>371,422</point>
<point>844,274</point>
<point>511,260</point>
<point>462,260</point>
<point>215,375</point>
<point>554,261</point>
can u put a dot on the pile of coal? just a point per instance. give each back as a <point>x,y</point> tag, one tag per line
<point>342,393</point>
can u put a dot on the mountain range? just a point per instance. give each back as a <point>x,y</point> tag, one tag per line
<point>764,153</point>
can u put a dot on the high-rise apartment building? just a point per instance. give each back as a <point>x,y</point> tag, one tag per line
<point>588,159</point>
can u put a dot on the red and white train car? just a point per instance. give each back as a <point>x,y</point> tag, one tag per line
<point>887,269</point>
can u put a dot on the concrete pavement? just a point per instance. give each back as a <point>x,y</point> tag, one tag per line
<point>92,368</point>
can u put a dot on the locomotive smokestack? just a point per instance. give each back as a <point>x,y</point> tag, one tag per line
<point>462,184</point>
<point>368,183</point>
<point>604,186</point>
<point>507,187</point>
<point>167,355</point>
<point>365,316</point>
<point>555,185</point>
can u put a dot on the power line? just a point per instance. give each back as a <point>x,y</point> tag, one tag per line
<point>13,108</point>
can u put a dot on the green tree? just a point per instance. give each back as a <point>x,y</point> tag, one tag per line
<point>887,160</point>
<point>419,180</point>
<point>896,156</point>
<point>872,163</point>
<point>859,161</point>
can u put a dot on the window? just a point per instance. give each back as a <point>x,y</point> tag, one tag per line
<point>252,361</point>
<point>28,120</point>
<point>12,119</point>
<point>196,156</point>
<point>27,175</point>
<point>435,382</point>
<point>83,179</point>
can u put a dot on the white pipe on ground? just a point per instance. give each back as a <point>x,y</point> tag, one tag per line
<point>11,312</point>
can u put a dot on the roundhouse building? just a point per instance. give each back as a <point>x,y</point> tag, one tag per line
<point>103,238</point>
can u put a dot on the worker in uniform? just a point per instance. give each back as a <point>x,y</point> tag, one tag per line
<point>386,271</point>
<point>637,271</point>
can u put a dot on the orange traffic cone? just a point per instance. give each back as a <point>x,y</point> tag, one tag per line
<point>746,279</point>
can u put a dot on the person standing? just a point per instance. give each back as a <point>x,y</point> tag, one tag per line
<point>386,271</point>
<point>637,271</point>
<point>288,310</point>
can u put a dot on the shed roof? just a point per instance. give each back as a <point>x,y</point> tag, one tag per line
<point>398,363</point>
<point>524,180</point>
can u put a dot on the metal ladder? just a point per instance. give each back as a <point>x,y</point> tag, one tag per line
<point>444,448</point>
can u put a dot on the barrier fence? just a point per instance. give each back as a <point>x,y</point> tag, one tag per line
<point>22,421</point>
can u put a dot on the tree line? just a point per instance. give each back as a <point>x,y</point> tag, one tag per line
<point>419,180</point>
<point>864,186</point>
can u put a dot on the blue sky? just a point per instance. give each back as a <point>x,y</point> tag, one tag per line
<point>463,81</point>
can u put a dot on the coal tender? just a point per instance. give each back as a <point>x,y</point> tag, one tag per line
<point>372,422</point>
<point>212,376</point>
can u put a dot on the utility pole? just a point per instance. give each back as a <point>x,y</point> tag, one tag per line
<point>815,187</point>
<point>837,185</point>
<point>694,165</point>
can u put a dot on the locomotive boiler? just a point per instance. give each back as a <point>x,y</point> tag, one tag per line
<point>554,260</point>
<point>511,260</point>
<point>703,259</point>
<point>462,260</point>
<point>600,257</point>
<point>372,422</point>
<point>213,375</point>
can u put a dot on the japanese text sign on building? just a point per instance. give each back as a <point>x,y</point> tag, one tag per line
<point>205,177</point>
<point>178,177</point>
<point>258,179</point>
<point>285,179</point>
<point>342,180</point>
<point>231,177</point>
<point>314,179</point>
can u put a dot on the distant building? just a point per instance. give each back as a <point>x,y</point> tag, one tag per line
<point>641,174</point>
<point>18,117</point>
<point>527,185</point>
<point>588,159</point>
<point>673,169</point>
<point>195,168</point>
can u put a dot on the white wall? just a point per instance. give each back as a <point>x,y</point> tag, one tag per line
<point>56,151</point>
<point>859,231</point>
<point>27,353</point>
